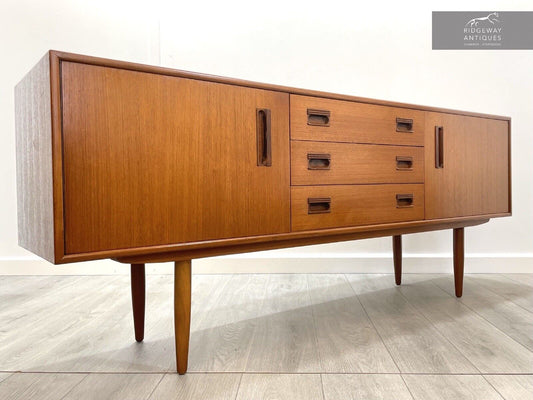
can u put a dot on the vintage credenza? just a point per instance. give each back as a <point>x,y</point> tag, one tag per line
<point>147,164</point>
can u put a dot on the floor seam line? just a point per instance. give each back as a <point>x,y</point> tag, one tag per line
<point>492,386</point>
<point>485,319</point>
<point>156,386</point>
<point>439,331</point>
<point>373,325</point>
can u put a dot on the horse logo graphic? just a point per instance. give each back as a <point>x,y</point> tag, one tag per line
<point>474,22</point>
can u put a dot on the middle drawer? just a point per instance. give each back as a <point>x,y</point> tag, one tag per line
<point>323,163</point>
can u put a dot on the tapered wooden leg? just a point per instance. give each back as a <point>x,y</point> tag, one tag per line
<point>397,252</point>
<point>138,288</point>
<point>458,259</point>
<point>182,312</point>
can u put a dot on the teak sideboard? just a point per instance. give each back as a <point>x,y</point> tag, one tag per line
<point>147,164</point>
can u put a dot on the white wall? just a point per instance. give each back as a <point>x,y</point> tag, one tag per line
<point>380,50</point>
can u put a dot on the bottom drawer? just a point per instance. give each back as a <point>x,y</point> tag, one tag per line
<point>317,207</point>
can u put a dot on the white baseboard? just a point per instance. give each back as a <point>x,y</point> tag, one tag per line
<point>295,263</point>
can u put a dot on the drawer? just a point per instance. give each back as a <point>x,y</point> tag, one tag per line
<point>318,207</point>
<point>315,118</point>
<point>318,163</point>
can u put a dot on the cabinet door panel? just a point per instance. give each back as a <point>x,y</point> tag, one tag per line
<point>152,159</point>
<point>474,179</point>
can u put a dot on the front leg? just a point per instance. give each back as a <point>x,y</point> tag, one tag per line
<point>182,313</point>
<point>458,259</point>
<point>397,255</point>
<point>138,299</point>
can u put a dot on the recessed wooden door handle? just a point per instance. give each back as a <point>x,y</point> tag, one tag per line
<point>404,125</point>
<point>264,140</point>
<point>404,200</point>
<point>318,117</point>
<point>319,205</point>
<point>439,147</point>
<point>404,163</point>
<point>318,161</point>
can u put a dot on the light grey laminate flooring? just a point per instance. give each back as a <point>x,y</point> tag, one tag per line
<point>329,337</point>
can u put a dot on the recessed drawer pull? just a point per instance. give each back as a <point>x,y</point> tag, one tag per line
<point>404,125</point>
<point>320,205</point>
<point>404,163</point>
<point>264,140</point>
<point>439,147</point>
<point>318,117</point>
<point>404,200</point>
<point>318,161</point>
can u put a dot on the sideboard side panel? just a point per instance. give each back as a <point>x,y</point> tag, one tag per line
<point>33,126</point>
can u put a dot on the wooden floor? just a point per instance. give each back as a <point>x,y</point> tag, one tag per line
<point>330,337</point>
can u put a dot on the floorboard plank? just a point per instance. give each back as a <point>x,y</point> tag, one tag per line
<point>224,341</point>
<point>197,386</point>
<point>22,386</point>
<point>450,387</point>
<point>284,337</point>
<point>280,387</point>
<point>514,291</point>
<point>525,279</point>
<point>115,387</point>
<point>500,312</point>
<point>364,387</point>
<point>513,387</point>
<point>414,343</point>
<point>485,346</point>
<point>347,341</point>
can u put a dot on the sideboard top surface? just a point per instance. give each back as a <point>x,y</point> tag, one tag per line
<point>65,56</point>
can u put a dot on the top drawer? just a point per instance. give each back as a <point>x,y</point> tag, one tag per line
<point>315,118</point>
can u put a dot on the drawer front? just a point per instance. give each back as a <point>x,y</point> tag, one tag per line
<point>318,207</point>
<point>318,163</point>
<point>315,118</point>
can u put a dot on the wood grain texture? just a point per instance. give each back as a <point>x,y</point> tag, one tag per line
<point>346,339</point>
<point>197,386</point>
<point>355,164</point>
<point>34,161</point>
<point>500,312</point>
<point>485,346</point>
<point>182,313</point>
<point>205,184</point>
<point>512,387</point>
<point>413,341</point>
<point>450,387</point>
<point>476,167</point>
<point>4,375</point>
<point>365,387</point>
<point>280,387</point>
<point>115,387</point>
<point>355,205</point>
<point>354,122</point>
<point>38,386</point>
